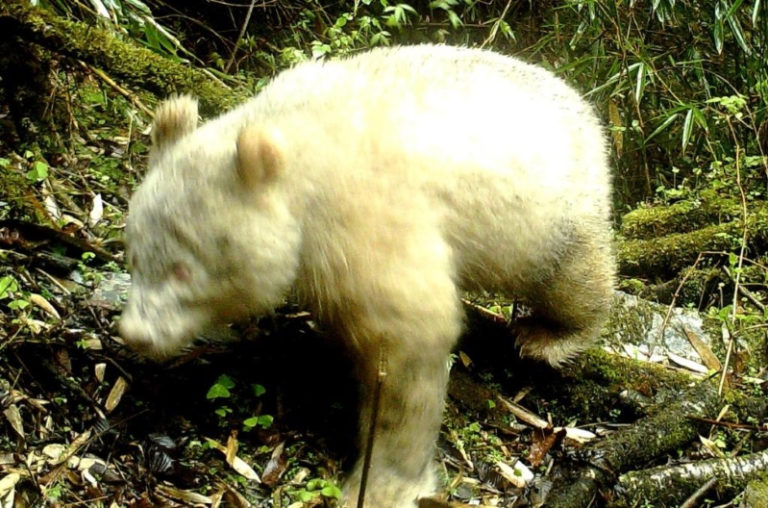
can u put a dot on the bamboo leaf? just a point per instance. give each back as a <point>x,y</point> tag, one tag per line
<point>718,36</point>
<point>717,32</point>
<point>453,18</point>
<point>701,120</point>
<point>666,123</point>
<point>687,127</point>
<point>733,8</point>
<point>613,79</point>
<point>733,22</point>
<point>755,12</point>
<point>640,85</point>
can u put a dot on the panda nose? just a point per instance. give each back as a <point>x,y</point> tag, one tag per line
<point>134,333</point>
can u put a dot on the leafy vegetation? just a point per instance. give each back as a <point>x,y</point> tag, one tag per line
<point>683,86</point>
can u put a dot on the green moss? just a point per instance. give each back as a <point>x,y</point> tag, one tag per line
<point>614,371</point>
<point>649,222</point>
<point>756,494</point>
<point>681,217</point>
<point>669,254</point>
<point>136,64</point>
<point>632,286</point>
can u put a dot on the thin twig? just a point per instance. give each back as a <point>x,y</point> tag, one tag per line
<point>749,295</point>
<point>693,499</point>
<point>730,425</point>
<point>240,36</point>
<point>486,313</point>
<point>726,362</point>
<point>496,24</point>
<point>742,250</point>
<point>122,91</point>
<point>381,374</point>
<point>671,306</point>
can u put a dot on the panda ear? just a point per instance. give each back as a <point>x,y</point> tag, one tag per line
<point>259,156</point>
<point>174,118</point>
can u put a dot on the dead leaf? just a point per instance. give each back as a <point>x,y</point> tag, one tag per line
<point>687,364</point>
<point>94,344</point>
<point>8,482</point>
<point>63,361</point>
<point>275,467</point>
<point>45,305</point>
<point>115,394</point>
<point>238,464</point>
<point>97,210</point>
<point>712,447</point>
<point>91,463</point>
<point>54,451</point>
<point>14,418</point>
<point>233,498</point>
<point>35,326</point>
<point>579,436</point>
<point>75,445</point>
<point>217,497</point>
<point>523,414</point>
<point>185,496</point>
<point>49,202</point>
<point>521,394</point>
<point>705,352</point>
<point>517,474</point>
<point>543,441</point>
<point>458,444</point>
<point>89,478</point>
<point>99,370</point>
<point>300,476</point>
<point>38,404</point>
<point>232,445</point>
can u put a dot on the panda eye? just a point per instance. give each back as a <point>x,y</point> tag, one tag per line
<point>181,272</point>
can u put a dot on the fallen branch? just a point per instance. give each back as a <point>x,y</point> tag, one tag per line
<point>695,498</point>
<point>671,484</point>
<point>665,430</point>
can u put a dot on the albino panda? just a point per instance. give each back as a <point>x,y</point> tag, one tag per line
<point>378,187</point>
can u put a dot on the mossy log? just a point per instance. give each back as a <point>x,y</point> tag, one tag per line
<point>642,254</point>
<point>597,379</point>
<point>681,217</point>
<point>103,49</point>
<point>665,484</point>
<point>665,430</point>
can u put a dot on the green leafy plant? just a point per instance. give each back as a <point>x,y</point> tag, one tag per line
<point>8,286</point>
<point>221,388</point>
<point>53,492</point>
<point>317,488</point>
<point>263,421</point>
<point>9,290</point>
<point>90,274</point>
<point>38,172</point>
